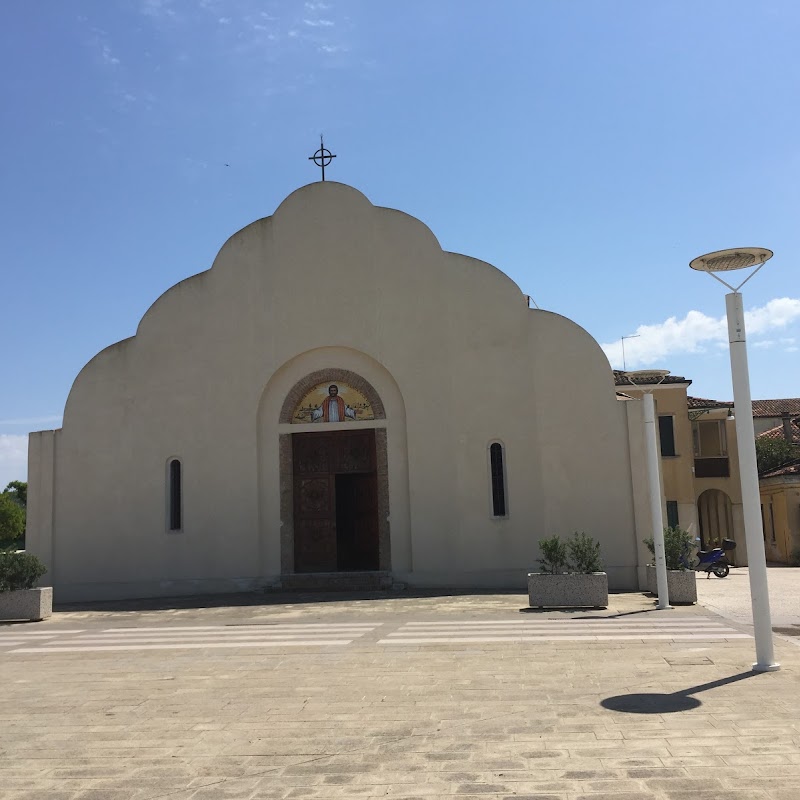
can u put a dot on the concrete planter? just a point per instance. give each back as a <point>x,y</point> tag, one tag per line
<point>681,584</point>
<point>571,590</point>
<point>33,604</point>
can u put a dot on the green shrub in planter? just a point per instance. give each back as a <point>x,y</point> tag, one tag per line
<point>571,575</point>
<point>554,555</point>
<point>580,554</point>
<point>584,554</point>
<point>677,541</point>
<point>19,570</point>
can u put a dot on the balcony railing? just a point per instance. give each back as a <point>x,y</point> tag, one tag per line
<point>712,467</point>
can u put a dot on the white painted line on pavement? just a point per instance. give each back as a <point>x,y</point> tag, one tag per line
<point>573,625</point>
<point>280,626</point>
<point>37,634</point>
<point>565,638</point>
<point>204,638</point>
<point>180,646</point>
<point>167,634</point>
<point>600,622</point>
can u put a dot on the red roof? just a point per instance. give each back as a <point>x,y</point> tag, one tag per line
<point>700,402</point>
<point>774,408</point>
<point>790,468</point>
<point>777,432</point>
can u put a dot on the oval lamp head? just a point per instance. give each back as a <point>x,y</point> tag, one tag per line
<point>734,258</point>
<point>645,375</point>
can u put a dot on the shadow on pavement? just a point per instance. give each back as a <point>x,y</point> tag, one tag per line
<point>577,609</point>
<point>655,703</point>
<point>273,598</point>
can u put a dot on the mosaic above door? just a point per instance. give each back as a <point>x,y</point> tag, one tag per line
<point>333,402</point>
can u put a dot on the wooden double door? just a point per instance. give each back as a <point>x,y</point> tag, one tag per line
<point>335,501</point>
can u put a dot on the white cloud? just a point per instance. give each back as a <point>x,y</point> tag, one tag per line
<point>775,314</point>
<point>697,333</point>
<point>13,458</point>
<point>98,40</point>
<point>245,37</point>
<point>108,57</point>
<point>786,343</point>
<point>158,8</point>
<point>31,420</point>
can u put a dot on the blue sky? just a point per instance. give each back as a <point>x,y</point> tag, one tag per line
<point>589,149</point>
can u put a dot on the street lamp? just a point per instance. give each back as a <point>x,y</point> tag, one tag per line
<point>653,377</point>
<point>725,261</point>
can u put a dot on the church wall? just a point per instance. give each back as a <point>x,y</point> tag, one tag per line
<point>40,508</point>
<point>448,343</point>
<point>119,433</point>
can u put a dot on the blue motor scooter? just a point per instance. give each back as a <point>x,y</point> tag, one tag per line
<point>714,560</point>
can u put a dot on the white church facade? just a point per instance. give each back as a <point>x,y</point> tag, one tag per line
<point>336,397</point>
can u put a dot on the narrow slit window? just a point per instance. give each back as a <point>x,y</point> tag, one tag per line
<point>497,466</point>
<point>175,521</point>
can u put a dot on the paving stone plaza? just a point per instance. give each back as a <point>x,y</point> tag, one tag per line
<point>394,696</point>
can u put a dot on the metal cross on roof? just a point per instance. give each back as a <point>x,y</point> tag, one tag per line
<point>323,157</point>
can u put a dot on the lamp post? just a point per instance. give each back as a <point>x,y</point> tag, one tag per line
<point>725,261</point>
<point>653,378</point>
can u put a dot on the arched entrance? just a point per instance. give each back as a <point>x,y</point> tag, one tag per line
<point>334,477</point>
<point>715,516</point>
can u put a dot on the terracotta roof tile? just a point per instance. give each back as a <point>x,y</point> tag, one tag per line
<point>790,468</point>
<point>774,408</point>
<point>701,402</point>
<point>777,432</point>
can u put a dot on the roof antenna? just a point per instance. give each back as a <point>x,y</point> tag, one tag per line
<point>622,339</point>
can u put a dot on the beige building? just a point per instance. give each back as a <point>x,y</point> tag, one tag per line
<point>780,497</point>
<point>700,476</point>
<point>699,462</point>
<point>339,400</point>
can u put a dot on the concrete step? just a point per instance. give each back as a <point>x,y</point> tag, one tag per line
<point>335,582</point>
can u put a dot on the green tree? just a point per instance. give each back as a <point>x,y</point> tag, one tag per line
<point>18,491</point>
<point>771,453</point>
<point>12,520</point>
